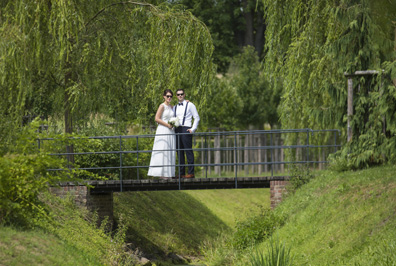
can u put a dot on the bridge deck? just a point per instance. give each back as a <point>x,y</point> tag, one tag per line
<point>176,184</point>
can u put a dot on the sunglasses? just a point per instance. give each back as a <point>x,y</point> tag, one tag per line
<point>181,94</point>
<point>169,96</point>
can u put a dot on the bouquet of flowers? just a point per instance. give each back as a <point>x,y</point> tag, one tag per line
<point>174,121</point>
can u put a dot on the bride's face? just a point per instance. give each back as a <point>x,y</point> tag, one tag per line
<point>168,97</point>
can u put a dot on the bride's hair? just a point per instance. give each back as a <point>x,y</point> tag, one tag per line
<point>166,91</point>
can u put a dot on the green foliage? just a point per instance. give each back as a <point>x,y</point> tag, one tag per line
<point>256,228</point>
<point>259,102</point>
<point>22,179</point>
<point>277,254</point>
<point>313,43</point>
<point>225,106</point>
<point>111,57</point>
<point>232,24</point>
<point>23,176</point>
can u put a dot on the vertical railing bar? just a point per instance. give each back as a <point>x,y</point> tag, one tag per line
<point>272,157</point>
<point>178,156</point>
<point>120,164</point>
<point>137,157</point>
<point>307,149</point>
<point>235,160</point>
<point>206,156</point>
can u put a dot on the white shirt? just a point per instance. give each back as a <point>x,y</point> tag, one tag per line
<point>190,114</point>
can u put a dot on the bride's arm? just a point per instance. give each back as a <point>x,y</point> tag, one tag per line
<point>158,117</point>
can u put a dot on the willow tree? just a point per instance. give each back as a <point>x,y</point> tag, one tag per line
<point>312,44</point>
<point>78,58</point>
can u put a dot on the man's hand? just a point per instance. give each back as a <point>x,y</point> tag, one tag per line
<point>189,130</point>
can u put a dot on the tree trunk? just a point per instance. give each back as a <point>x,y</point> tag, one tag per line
<point>248,15</point>
<point>260,30</point>
<point>394,81</point>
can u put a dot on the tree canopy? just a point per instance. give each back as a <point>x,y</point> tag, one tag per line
<point>233,24</point>
<point>311,44</point>
<point>78,58</point>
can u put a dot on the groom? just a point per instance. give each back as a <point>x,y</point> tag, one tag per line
<point>185,111</point>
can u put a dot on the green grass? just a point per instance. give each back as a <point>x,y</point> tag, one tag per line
<point>344,218</point>
<point>70,237</point>
<point>35,247</point>
<point>181,221</point>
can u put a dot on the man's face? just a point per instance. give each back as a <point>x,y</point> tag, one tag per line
<point>180,95</point>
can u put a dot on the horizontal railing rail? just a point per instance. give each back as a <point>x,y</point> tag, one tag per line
<point>232,152</point>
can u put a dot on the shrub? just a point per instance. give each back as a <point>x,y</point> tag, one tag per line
<point>23,176</point>
<point>256,228</point>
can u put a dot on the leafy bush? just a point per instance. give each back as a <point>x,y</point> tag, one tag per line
<point>277,254</point>
<point>23,176</point>
<point>256,228</point>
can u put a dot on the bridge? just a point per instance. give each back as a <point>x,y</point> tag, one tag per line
<point>223,160</point>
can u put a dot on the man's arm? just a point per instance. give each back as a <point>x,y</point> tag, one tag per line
<point>195,115</point>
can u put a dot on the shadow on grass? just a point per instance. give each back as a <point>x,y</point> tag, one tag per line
<point>161,222</point>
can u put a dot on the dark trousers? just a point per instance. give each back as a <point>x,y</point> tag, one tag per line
<point>184,146</point>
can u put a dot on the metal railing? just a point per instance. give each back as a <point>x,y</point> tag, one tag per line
<point>217,154</point>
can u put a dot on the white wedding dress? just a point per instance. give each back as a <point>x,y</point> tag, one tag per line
<point>163,157</point>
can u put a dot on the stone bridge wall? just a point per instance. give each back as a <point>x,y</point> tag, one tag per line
<point>101,203</point>
<point>278,190</point>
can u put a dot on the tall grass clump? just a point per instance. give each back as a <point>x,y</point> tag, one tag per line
<point>277,254</point>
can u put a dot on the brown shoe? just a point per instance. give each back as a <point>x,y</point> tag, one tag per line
<point>190,176</point>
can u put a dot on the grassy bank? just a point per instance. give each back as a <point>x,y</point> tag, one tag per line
<point>36,247</point>
<point>163,222</point>
<point>344,218</point>
<point>158,223</point>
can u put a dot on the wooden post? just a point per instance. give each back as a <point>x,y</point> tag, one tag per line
<point>259,155</point>
<point>276,153</point>
<point>350,108</point>
<point>265,155</point>
<point>282,156</point>
<point>246,154</point>
<point>350,95</point>
<point>217,155</point>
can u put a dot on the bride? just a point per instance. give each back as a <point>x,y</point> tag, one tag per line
<point>163,157</point>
